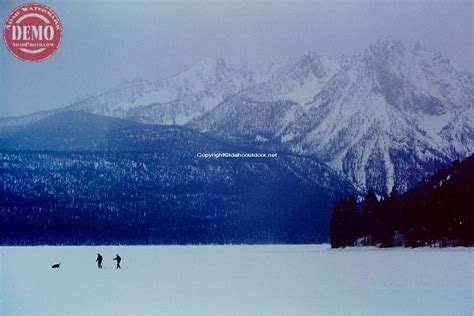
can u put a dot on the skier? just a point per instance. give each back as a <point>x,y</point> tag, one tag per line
<point>99,261</point>
<point>118,261</point>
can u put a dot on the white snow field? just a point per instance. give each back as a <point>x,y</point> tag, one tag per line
<point>280,279</point>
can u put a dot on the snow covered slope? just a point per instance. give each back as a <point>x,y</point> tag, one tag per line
<point>388,116</point>
<point>179,99</point>
<point>391,110</point>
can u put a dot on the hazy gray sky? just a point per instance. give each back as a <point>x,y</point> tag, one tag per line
<point>107,41</point>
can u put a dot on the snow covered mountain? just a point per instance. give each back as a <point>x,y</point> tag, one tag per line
<point>387,116</point>
<point>390,115</point>
<point>179,99</point>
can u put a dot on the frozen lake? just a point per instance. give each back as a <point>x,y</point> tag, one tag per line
<point>309,279</point>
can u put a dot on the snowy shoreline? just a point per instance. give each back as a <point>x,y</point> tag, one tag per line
<point>321,246</point>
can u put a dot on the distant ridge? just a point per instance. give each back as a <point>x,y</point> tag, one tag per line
<point>389,115</point>
<point>80,178</point>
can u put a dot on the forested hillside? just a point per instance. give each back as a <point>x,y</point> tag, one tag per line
<point>437,212</point>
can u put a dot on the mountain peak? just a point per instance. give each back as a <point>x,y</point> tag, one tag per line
<point>209,63</point>
<point>389,42</point>
<point>418,47</point>
<point>311,62</point>
<point>312,55</point>
<point>386,48</point>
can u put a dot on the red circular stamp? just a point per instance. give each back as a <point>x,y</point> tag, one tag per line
<point>32,32</point>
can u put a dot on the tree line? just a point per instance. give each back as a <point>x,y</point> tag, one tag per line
<point>437,212</point>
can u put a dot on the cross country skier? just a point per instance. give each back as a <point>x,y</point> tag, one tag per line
<point>99,261</point>
<point>118,261</point>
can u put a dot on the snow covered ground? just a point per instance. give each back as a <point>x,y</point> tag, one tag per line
<point>309,279</point>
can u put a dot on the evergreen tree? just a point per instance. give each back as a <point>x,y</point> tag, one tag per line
<point>338,225</point>
<point>369,211</point>
<point>343,227</point>
<point>354,220</point>
<point>437,212</point>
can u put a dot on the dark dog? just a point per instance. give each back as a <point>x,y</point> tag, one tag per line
<point>55,266</point>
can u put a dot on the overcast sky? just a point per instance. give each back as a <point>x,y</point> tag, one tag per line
<point>105,42</point>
